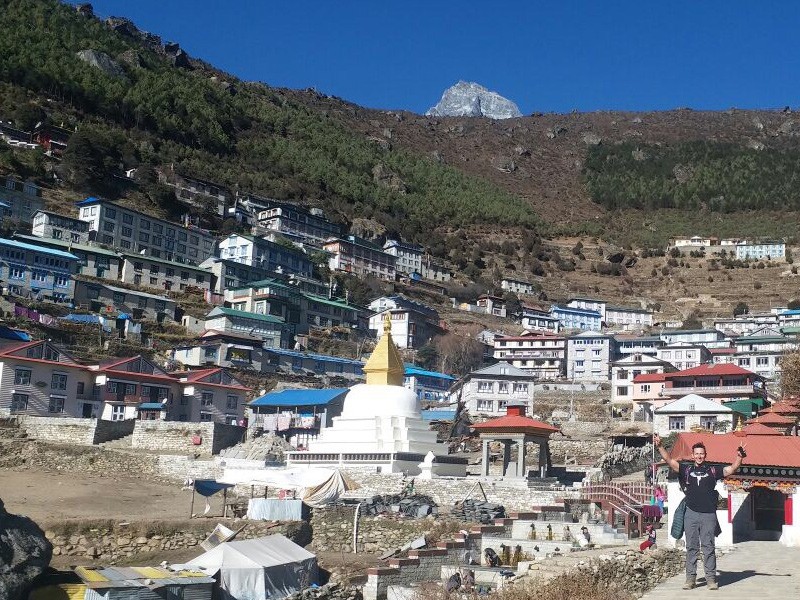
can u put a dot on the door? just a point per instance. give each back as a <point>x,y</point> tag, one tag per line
<point>768,509</point>
<point>86,412</point>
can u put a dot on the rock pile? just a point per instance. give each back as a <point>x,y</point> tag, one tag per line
<point>477,511</point>
<point>418,505</point>
<point>331,591</point>
<point>267,447</point>
<point>25,553</point>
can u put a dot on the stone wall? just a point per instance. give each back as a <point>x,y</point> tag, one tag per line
<point>333,530</point>
<point>105,431</point>
<point>190,438</point>
<point>109,542</point>
<point>74,431</point>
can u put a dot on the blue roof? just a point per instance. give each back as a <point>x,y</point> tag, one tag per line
<point>791,311</point>
<point>580,311</point>
<point>14,334</point>
<point>299,397</point>
<point>311,355</point>
<point>40,249</point>
<point>152,406</point>
<point>413,370</point>
<point>89,200</point>
<point>434,414</point>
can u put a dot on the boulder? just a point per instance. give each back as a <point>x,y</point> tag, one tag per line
<point>102,61</point>
<point>25,553</point>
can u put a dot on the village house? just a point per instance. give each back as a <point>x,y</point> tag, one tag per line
<point>280,360</point>
<point>434,271</point>
<point>627,319</point>
<point>227,274</point>
<point>518,286</point>
<point>710,338</point>
<point>487,391</point>
<point>409,256</point>
<point>429,386</point>
<point>52,225</point>
<point>36,271</point>
<point>38,378</point>
<point>359,257</point>
<point>541,354</point>
<point>746,323</point>
<point>167,275</point>
<point>413,323</point>
<point>22,199</point>
<point>631,368</point>
<point>769,250</point>
<point>589,356</point>
<point>264,254</point>
<point>491,305</point>
<point>129,230</point>
<point>222,349</point>
<point>209,395</point>
<point>581,319</point>
<point>92,260</point>
<point>99,297</point>
<point>297,223</point>
<point>196,192</point>
<point>628,345</point>
<point>272,330</point>
<point>538,319</point>
<point>692,412</point>
<point>684,355</point>
<point>762,351</point>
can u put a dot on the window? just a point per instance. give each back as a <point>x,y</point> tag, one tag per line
<point>520,388</point>
<point>205,416</point>
<point>622,374</point>
<point>622,390</point>
<point>677,423</point>
<point>81,388</point>
<point>160,305</point>
<point>127,232</point>
<point>144,237</point>
<point>184,275</point>
<point>130,389</point>
<point>485,387</point>
<point>232,402</point>
<point>111,213</point>
<point>170,272</point>
<point>63,280</point>
<point>22,377</point>
<point>207,399</point>
<point>646,388</point>
<point>19,402</point>
<point>502,387</point>
<point>211,353</point>
<point>144,224</point>
<point>708,421</point>
<point>158,228</point>
<point>108,227</point>
<point>57,234</point>
<point>141,302</point>
<point>58,382</point>
<point>118,412</point>
<point>127,218</point>
<point>56,404</point>
<point>119,298</point>
<point>16,273</point>
<point>485,405</point>
<point>762,361</point>
<point>154,269</point>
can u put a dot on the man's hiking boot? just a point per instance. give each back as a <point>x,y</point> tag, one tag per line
<point>712,584</point>
<point>690,584</point>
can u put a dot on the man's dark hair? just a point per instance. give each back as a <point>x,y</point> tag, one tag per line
<point>699,445</point>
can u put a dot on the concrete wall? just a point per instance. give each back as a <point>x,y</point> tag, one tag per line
<point>74,431</point>
<point>177,436</point>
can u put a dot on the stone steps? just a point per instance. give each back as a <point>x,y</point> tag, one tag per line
<point>119,443</point>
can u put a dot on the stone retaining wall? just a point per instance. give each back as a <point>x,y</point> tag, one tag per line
<point>74,431</point>
<point>108,542</point>
<point>191,438</point>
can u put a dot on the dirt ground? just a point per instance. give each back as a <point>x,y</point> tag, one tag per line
<point>56,496</point>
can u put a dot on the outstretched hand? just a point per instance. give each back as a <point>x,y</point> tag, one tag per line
<point>656,440</point>
<point>740,451</point>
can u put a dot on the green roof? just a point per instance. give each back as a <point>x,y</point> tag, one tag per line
<point>244,315</point>
<point>65,244</point>
<point>264,283</point>
<point>324,300</point>
<point>145,257</point>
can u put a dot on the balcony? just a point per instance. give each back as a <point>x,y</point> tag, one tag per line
<point>715,390</point>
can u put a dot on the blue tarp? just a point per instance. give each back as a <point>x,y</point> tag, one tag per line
<point>91,319</point>
<point>299,397</point>
<point>13,334</point>
<point>209,487</point>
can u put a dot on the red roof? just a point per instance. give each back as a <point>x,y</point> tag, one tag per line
<point>722,350</point>
<point>773,419</point>
<point>713,370</point>
<point>757,429</point>
<point>516,424</point>
<point>650,378</point>
<point>762,450</point>
<point>781,408</point>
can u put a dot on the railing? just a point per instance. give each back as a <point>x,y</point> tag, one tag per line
<point>623,498</point>
<point>719,389</point>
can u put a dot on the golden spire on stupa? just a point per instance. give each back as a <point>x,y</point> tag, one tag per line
<point>385,367</point>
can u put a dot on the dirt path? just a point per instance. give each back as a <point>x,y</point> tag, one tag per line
<point>55,496</point>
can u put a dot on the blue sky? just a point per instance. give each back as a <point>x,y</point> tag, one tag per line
<point>552,56</point>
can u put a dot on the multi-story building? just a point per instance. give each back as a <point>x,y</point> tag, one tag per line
<point>435,272</point>
<point>625,371</point>
<point>692,411</point>
<point>683,355</point>
<point>280,360</point>
<point>589,356</point>
<point>409,256</point>
<point>209,395</point>
<point>541,354</point>
<point>124,386</point>
<point>37,271</point>
<point>627,319</point>
<point>265,255</point>
<point>38,378</point>
<point>488,391</point>
<point>747,323</point>
<point>535,319</point>
<point>517,286</point>
<point>413,323</point>
<point>92,260</point>
<point>721,382</point>
<point>23,199</point>
<point>100,297</point>
<point>361,258</point>
<point>227,274</point>
<point>129,230</point>
<point>54,226</point>
<point>272,330</point>
<point>577,318</point>
<point>296,222</point>
<point>644,344</point>
<point>772,250</point>
<point>590,304</point>
<point>429,386</point>
<point>710,338</point>
<point>168,275</point>
<point>762,352</point>
<point>198,193</point>
<point>221,349</point>
<point>491,305</point>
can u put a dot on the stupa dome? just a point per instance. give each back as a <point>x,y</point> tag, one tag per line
<point>365,401</point>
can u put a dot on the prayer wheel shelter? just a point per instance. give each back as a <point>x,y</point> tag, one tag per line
<point>515,428</point>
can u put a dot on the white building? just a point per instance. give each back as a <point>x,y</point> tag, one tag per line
<point>583,319</point>
<point>298,223</point>
<point>627,319</point>
<point>683,355</point>
<point>54,226</point>
<point>487,391</point>
<point>517,286</point>
<point>262,254</point>
<point>540,354</point>
<point>692,411</point>
<point>623,372</point>
<point>409,256</point>
<point>360,258</point>
<point>746,324</point>
<point>762,351</point>
<point>772,250</point>
<point>412,324</point>
<point>592,304</point>
<point>710,338</point>
<point>589,356</point>
<point>534,319</point>
<point>644,344</point>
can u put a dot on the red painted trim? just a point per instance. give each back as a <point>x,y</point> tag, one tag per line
<point>788,506</point>
<point>730,508</point>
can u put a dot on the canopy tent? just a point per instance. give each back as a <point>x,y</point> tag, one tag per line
<point>259,569</point>
<point>316,487</point>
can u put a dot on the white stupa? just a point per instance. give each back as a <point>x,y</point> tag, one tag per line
<point>381,422</point>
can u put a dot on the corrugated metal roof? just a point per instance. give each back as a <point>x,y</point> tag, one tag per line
<point>313,356</point>
<point>35,248</point>
<point>230,312</point>
<point>299,397</point>
<point>414,370</point>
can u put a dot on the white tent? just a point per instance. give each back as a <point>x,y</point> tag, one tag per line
<point>316,486</point>
<point>260,569</point>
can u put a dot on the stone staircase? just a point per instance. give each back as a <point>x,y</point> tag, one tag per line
<point>122,443</point>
